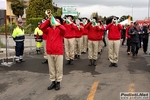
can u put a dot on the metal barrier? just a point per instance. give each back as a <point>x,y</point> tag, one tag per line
<point>29,47</point>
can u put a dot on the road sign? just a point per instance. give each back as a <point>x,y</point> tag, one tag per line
<point>3,4</point>
<point>69,10</point>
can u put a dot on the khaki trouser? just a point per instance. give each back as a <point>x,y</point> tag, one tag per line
<point>44,45</point>
<point>55,63</point>
<point>92,49</point>
<point>69,48</point>
<point>77,47</point>
<point>100,45</point>
<point>84,43</point>
<point>113,50</point>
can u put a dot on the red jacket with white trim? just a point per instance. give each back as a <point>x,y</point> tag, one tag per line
<point>114,31</point>
<point>54,42</point>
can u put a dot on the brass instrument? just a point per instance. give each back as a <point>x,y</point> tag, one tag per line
<point>48,13</point>
<point>53,22</point>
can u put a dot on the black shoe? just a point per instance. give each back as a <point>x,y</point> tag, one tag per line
<point>115,65</point>
<point>78,57</point>
<point>45,62</point>
<point>68,62</point>
<point>52,86</point>
<point>83,53</point>
<point>21,60</point>
<point>17,61</point>
<point>71,61</point>
<point>94,63</point>
<point>57,86</point>
<point>111,65</point>
<point>90,62</point>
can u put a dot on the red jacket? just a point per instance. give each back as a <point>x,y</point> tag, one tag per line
<point>54,43</point>
<point>101,33</point>
<point>114,31</point>
<point>79,32</point>
<point>127,32</point>
<point>93,32</point>
<point>85,31</point>
<point>70,30</point>
<point>44,36</point>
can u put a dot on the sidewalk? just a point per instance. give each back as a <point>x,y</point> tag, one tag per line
<point>11,52</point>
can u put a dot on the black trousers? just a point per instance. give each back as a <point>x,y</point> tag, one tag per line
<point>128,45</point>
<point>124,38</point>
<point>145,44</point>
<point>135,48</point>
<point>104,41</point>
<point>19,48</point>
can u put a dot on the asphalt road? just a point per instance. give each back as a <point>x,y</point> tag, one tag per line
<point>29,80</point>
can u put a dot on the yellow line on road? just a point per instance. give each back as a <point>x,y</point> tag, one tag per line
<point>131,87</point>
<point>92,91</point>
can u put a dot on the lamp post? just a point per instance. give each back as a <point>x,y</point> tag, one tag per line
<point>148,8</point>
<point>132,11</point>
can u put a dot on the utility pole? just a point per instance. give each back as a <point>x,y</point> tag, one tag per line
<point>148,8</point>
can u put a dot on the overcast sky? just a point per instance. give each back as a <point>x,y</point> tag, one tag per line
<point>109,7</point>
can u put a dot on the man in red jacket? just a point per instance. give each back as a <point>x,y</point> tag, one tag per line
<point>69,39</point>
<point>84,36</point>
<point>54,49</point>
<point>78,35</point>
<point>100,37</point>
<point>114,37</point>
<point>93,41</point>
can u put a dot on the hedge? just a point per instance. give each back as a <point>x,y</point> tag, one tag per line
<point>34,21</point>
<point>10,27</point>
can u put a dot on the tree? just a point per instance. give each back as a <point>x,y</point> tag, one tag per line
<point>124,17</point>
<point>94,14</point>
<point>17,7</point>
<point>58,13</point>
<point>105,19</point>
<point>37,8</point>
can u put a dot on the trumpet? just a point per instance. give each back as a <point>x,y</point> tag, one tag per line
<point>48,13</point>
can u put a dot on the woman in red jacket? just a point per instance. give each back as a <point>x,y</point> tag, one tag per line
<point>54,49</point>
<point>114,37</point>
<point>93,33</point>
<point>128,38</point>
<point>69,39</point>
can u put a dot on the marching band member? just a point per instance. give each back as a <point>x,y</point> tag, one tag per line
<point>100,37</point>
<point>69,39</point>
<point>114,37</point>
<point>44,36</point>
<point>78,35</point>
<point>54,48</point>
<point>93,41</point>
<point>84,36</point>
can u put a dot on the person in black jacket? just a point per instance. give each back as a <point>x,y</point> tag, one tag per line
<point>135,42</point>
<point>145,38</point>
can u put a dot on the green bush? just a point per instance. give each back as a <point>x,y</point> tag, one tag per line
<point>34,22</point>
<point>10,28</point>
<point>29,29</point>
<point>1,45</point>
